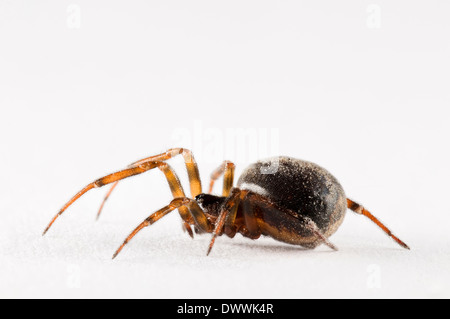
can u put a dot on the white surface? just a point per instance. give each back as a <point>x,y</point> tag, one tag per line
<point>369,104</point>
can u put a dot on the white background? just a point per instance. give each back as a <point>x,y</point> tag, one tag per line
<point>359,87</point>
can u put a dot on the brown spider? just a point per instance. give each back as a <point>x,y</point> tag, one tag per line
<point>290,200</point>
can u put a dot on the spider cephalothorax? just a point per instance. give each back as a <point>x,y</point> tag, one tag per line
<point>295,201</point>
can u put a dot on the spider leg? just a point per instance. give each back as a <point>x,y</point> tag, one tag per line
<point>191,166</point>
<point>247,222</point>
<point>106,198</point>
<point>176,189</point>
<point>359,209</point>
<point>253,230</point>
<point>306,222</point>
<point>138,168</point>
<point>312,226</point>
<point>180,202</point>
<point>228,213</point>
<point>111,178</point>
<point>226,169</point>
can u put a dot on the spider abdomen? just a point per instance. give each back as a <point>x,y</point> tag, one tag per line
<point>300,186</point>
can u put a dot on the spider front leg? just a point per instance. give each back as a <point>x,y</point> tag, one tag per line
<point>172,179</point>
<point>182,202</point>
<point>138,168</point>
<point>189,161</point>
<point>226,169</point>
<point>176,189</point>
<point>191,167</point>
<point>111,178</point>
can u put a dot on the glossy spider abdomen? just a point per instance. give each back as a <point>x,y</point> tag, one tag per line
<point>302,187</point>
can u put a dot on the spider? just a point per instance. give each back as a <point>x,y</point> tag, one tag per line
<point>291,200</point>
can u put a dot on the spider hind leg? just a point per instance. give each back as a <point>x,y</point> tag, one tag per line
<point>359,209</point>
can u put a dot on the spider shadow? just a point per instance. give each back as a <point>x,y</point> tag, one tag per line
<point>276,248</point>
